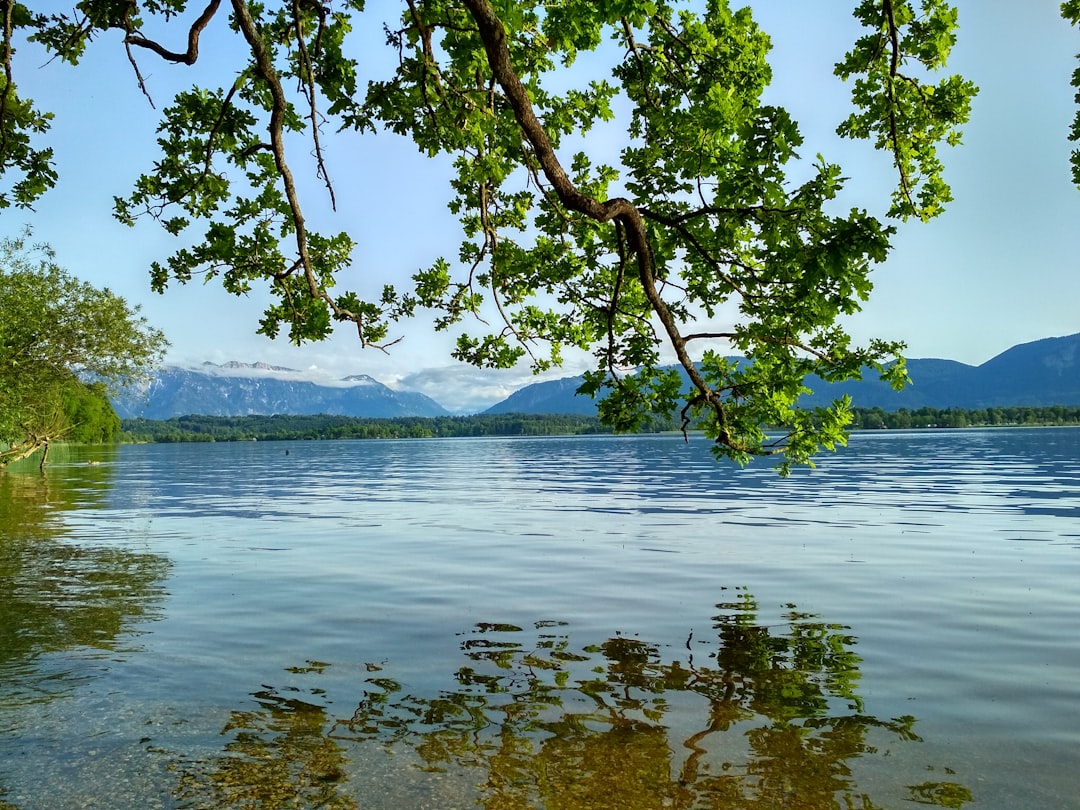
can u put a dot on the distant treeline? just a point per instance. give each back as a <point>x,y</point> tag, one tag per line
<point>276,428</point>
<point>876,418</point>
<point>271,428</point>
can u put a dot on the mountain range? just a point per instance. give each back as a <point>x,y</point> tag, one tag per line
<point>1044,372</point>
<point>244,389</point>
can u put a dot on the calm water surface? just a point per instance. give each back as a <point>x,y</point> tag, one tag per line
<point>544,623</point>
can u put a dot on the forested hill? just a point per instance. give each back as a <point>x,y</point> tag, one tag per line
<point>262,428</point>
<point>1043,373</point>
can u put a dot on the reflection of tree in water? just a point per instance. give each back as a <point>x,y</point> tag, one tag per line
<point>770,718</point>
<point>58,594</point>
<point>279,756</point>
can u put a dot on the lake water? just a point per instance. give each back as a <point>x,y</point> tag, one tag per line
<point>594,622</point>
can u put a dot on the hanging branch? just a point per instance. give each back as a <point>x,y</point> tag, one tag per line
<point>265,67</point>
<point>618,209</point>
<point>890,89</point>
<point>308,78</point>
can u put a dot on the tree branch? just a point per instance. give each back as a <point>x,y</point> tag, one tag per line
<point>9,7</point>
<point>192,53</point>
<point>618,209</point>
<point>894,128</point>
<point>265,66</point>
<point>308,78</point>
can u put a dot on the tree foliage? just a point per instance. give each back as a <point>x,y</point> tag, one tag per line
<point>63,343</point>
<point>708,232</point>
<point>89,415</point>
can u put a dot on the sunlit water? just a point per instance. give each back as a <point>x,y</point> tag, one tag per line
<point>544,623</point>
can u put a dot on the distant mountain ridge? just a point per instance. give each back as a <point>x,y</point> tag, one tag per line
<point>1043,372</point>
<point>246,389</point>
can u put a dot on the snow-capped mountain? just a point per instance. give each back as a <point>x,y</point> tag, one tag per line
<point>241,389</point>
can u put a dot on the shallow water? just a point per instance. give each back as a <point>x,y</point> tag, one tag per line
<point>553,623</point>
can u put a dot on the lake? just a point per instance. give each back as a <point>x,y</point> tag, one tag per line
<point>586,622</point>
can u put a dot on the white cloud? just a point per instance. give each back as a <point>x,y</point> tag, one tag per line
<point>464,389</point>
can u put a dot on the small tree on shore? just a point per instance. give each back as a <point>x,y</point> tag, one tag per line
<point>63,343</point>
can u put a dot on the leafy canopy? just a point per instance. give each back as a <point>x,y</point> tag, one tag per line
<point>56,331</point>
<point>708,215</point>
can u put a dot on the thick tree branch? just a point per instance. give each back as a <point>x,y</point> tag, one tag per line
<point>21,450</point>
<point>265,66</point>
<point>430,64</point>
<point>189,56</point>
<point>618,209</point>
<point>9,81</point>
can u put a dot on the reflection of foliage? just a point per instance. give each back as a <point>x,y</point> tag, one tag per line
<point>56,594</point>
<point>787,676</point>
<point>279,756</point>
<point>940,794</point>
<point>760,726</point>
<point>24,506</point>
<point>770,719</point>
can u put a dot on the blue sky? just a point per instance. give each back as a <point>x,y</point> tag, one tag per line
<point>997,269</point>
